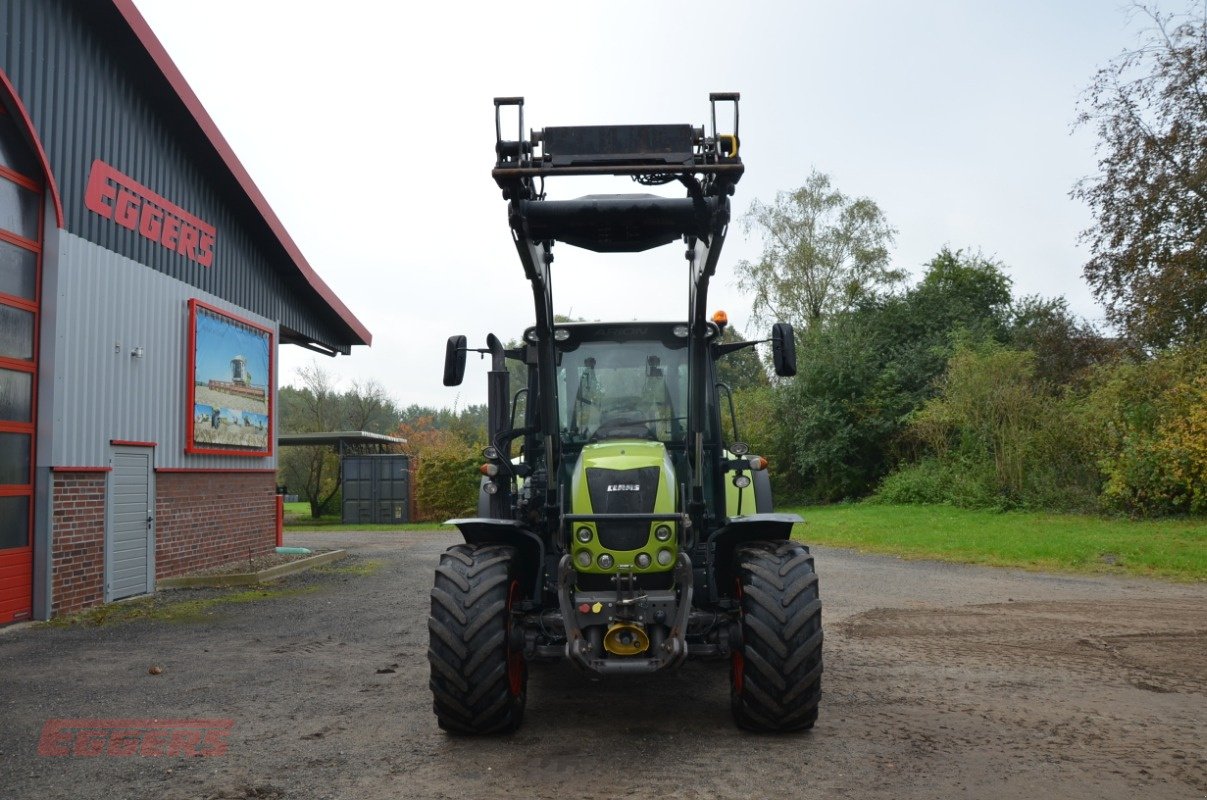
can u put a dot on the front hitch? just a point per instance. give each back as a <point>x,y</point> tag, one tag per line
<point>666,652</point>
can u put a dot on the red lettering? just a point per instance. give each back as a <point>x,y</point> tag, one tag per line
<point>90,742</point>
<point>184,743</point>
<point>134,737</point>
<point>205,250</point>
<point>188,242</point>
<point>214,743</point>
<point>100,193</point>
<point>151,222</point>
<point>171,229</point>
<point>127,209</point>
<point>154,743</point>
<point>123,742</point>
<point>130,204</point>
<point>55,741</point>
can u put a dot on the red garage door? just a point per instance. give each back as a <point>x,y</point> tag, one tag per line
<point>21,204</point>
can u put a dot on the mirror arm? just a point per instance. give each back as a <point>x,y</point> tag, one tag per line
<point>730,347</point>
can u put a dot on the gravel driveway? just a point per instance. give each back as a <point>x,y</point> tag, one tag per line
<point>941,681</point>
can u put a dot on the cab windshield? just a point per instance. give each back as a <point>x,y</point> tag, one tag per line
<point>623,390</point>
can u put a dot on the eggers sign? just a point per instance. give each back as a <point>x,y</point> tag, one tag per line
<point>130,204</point>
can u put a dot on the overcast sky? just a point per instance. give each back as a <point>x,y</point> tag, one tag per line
<point>369,127</point>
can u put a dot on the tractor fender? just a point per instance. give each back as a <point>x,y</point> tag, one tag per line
<point>739,530</point>
<point>481,530</point>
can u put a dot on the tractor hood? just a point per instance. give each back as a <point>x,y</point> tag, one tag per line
<point>622,477</point>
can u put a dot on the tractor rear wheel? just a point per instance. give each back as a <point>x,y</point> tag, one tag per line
<point>478,677</point>
<point>776,673</point>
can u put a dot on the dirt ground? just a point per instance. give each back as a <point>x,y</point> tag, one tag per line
<point>941,681</point>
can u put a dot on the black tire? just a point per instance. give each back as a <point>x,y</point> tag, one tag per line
<point>479,681</point>
<point>776,674</point>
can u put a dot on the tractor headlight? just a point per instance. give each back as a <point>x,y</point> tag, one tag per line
<point>490,487</point>
<point>583,558</point>
<point>665,557</point>
<point>662,533</point>
<point>606,561</point>
<point>642,560</point>
<point>741,481</point>
<point>583,535</point>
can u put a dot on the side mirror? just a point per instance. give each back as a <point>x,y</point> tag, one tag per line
<point>783,349</point>
<point>454,360</point>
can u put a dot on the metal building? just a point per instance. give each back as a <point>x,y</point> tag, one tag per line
<point>375,478</point>
<point>145,288</point>
<point>377,489</point>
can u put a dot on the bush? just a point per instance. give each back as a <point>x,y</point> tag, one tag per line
<point>446,483</point>
<point>760,424</point>
<point>932,482</point>
<point>998,437</point>
<point>863,372</point>
<point>1153,423</point>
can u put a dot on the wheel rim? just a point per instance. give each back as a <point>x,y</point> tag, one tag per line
<point>515,658</point>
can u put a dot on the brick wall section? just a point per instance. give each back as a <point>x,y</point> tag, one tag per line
<point>203,519</point>
<point>78,545</point>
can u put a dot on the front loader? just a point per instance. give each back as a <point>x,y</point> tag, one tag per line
<point>628,535</point>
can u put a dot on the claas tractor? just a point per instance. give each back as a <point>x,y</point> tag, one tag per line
<point>628,534</point>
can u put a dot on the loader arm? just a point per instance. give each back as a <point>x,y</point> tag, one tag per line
<point>707,166</point>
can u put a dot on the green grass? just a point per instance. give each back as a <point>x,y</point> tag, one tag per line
<point>168,607</point>
<point>298,520</point>
<point>1171,548</point>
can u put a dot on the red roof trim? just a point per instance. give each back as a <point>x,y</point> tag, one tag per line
<point>7,86</point>
<point>157,52</point>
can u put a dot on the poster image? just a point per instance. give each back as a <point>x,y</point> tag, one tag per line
<point>230,398</point>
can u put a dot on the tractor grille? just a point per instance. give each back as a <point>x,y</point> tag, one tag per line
<point>623,491</point>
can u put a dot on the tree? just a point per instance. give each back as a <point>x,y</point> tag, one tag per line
<point>467,424</point>
<point>445,463</point>
<point>822,252</point>
<point>1152,418</point>
<point>1148,244</point>
<point>1065,346</point>
<point>318,407</point>
<point>867,369</point>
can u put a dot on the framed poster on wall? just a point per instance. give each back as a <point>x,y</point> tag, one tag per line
<point>230,384</point>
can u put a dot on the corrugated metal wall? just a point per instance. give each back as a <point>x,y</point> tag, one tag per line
<point>92,92</point>
<point>106,306</point>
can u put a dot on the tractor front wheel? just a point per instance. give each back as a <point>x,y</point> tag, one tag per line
<point>478,678</point>
<point>776,673</point>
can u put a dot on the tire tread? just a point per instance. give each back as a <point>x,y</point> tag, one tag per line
<point>467,645</point>
<point>782,638</point>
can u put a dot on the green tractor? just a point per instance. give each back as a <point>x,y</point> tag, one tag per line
<point>628,535</point>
